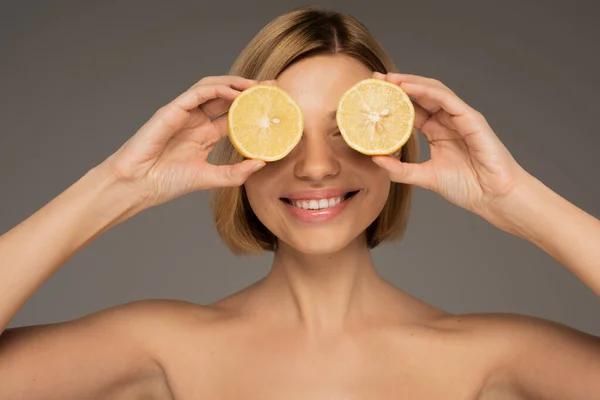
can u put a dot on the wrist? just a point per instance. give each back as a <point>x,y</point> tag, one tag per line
<point>115,199</point>
<point>518,211</point>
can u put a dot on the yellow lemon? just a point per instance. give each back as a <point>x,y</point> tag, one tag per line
<point>265,123</point>
<point>375,117</point>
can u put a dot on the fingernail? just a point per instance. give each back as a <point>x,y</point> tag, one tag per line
<point>257,166</point>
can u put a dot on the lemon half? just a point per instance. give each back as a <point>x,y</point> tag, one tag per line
<point>375,117</point>
<point>265,123</point>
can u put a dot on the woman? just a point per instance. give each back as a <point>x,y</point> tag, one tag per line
<point>322,323</point>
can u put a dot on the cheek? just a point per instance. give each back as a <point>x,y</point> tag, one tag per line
<point>365,164</point>
<point>261,191</point>
<point>260,206</point>
<point>261,180</point>
<point>377,180</point>
<point>382,193</point>
<point>375,177</point>
<point>254,192</point>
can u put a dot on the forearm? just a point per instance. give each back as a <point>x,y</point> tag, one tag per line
<point>34,249</point>
<point>570,235</point>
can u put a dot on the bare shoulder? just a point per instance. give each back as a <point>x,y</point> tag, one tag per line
<point>150,324</point>
<point>176,317</point>
<point>121,349</point>
<point>160,317</point>
<point>507,331</point>
<point>531,355</point>
<point>162,310</point>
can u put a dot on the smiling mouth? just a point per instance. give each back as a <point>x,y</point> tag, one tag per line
<point>318,204</point>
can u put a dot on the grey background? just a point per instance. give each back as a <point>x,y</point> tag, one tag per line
<point>78,78</point>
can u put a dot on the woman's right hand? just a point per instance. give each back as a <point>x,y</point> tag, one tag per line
<point>167,156</point>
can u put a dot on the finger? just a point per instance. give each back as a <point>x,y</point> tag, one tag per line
<point>431,107</point>
<point>465,124</point>
<point>230,175</point>
<point>171,118</point>
<point>421,116</point>
<point>221,125</point>
<point>434,131</point>
<point>233,81</point>
<point>199,95</point>
<point>433,98</point>
<point>216,107</point>
<point>399,78</point>
<point>404,172</point>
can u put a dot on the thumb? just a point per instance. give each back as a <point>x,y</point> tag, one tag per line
<point>236,174</point>
<point>403,172</point>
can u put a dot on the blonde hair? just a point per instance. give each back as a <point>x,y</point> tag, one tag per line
<point>301,33</point>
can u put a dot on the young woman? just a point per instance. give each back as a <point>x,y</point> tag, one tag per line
<point>323,324</point>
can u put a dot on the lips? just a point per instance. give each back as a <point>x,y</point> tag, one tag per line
<point>318,194</point>
<point>309,211</point>
<point>314,198</point>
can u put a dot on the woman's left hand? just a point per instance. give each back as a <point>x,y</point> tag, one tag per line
<point>469,165</point>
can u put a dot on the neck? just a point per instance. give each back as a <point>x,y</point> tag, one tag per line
<point>324,292</point>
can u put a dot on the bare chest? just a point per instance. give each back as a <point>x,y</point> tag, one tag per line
<point>374,367</point>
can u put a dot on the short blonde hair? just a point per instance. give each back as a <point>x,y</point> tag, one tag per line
<point>301,33</point>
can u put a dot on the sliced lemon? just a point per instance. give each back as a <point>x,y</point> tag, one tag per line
<point>265,123</point>
<point>375,117</point>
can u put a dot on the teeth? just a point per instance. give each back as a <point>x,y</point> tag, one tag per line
<point>318,204</point>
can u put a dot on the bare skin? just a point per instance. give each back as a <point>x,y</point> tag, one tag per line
<point>323,324</point>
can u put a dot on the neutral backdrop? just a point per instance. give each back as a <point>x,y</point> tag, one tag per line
<point>77,79</point>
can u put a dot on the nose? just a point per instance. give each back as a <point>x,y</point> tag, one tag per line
<point>315,159</point>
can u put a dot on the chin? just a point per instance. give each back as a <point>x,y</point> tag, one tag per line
<point>316,244</point>
<point>321,230</point>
